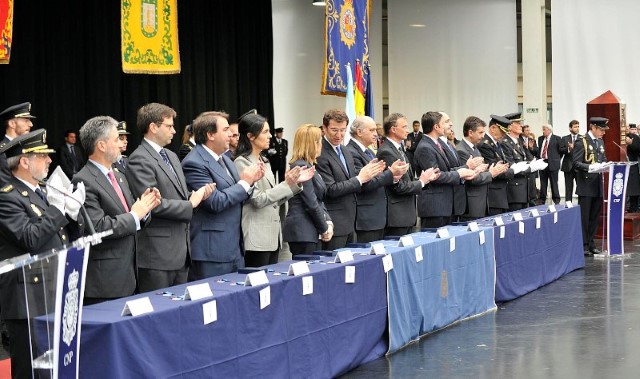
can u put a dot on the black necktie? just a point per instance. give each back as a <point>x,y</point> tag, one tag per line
<point>42,195</point>
<point>165,158</point>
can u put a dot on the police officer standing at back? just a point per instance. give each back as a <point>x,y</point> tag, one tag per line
<point>17,121</point>
<point>121,163</point>
<point>587,151</point>
<point>33,221</point>
<point>278,149</point>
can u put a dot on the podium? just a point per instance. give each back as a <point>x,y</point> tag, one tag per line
<point>54,290</point>
<point>614,199</point>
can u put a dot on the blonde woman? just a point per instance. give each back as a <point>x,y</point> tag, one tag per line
<point>261,215</point>
<point>307,222</point>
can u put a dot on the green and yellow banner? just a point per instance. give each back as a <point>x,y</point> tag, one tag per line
<point>6,27</point>
<point>150,37</point>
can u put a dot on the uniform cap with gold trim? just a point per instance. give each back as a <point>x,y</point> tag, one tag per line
<point>34,142</point>
<point>122,128</point>
<point>501,121</point>
<point>514,117</point>
<point>21,110</point>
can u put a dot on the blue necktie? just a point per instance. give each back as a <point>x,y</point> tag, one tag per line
<point>369,153</point>
<point>341,156</point>
<point>42,195</point>
<point>165,158</point>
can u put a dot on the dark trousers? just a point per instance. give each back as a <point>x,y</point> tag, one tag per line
<point>151,280</point>
<point>369,235</point>
<point>19,348</point>
<point>338,242</point>
<point>398,231</point>
<point>546,176</point>
<point>260,258</point>
<point>207,269</point>
<point>495,211</point>
<point>569,179</point>
<point>278,170</point>
<point>633,203</point>
<point>297,248</point>
<point>590,208</point>
<point>434,222</point>
<point>516,206</point>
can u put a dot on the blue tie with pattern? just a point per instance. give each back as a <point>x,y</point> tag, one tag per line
<point>341,156</point>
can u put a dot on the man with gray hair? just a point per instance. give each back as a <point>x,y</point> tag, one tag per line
<point>552,148</point>
<point>371,208</point>
<point>110,206</point>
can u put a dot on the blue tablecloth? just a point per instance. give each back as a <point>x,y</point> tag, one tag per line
<point>445,287</point>
<point>321,335</point>
<point>525,262</point>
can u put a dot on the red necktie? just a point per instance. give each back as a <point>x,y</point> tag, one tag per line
<point>544,149</point>
<point>116,187</point>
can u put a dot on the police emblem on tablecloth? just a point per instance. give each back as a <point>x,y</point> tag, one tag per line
<point>348,24</point>
<point>618,184</point>
<point>70,315</point>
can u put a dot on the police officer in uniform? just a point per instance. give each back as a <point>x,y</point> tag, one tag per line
<point>278,149</point>
<point>121,163</point>
<point>493,154</point>
<point>32,222</point>
<point>17,121</point>
<point>514,151</point>
<point>589,150</point>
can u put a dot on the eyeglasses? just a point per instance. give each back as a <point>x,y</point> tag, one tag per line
<point>167,125</point>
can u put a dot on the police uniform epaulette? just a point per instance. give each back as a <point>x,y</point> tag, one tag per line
<point>7,188</point>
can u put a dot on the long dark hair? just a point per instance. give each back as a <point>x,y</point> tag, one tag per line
<point>251,123</point>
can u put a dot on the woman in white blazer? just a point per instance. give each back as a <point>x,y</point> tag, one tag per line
<point>261,214</point>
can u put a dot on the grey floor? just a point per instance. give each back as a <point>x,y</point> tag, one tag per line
<point>584,325</point>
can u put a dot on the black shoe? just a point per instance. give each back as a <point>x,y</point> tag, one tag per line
<point>587,253</point>
<point>595,251</point>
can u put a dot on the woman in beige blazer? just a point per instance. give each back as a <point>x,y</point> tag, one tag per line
<point>261,214</point>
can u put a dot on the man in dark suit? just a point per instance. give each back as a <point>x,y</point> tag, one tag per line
<point>587,151</point>
<point>121,162</point>
<point>552,148</point>
<point>411,143</point>
<point>216,233</point>
<point>532,151</point>
<point>371,212</point>
<point>633,153</point>
<point>17,121</point>
<point>567,160</point>
<point>401,195</point>
<point>515,152</point>
<point>337,168</point>
<point>111,206</point>
<point>478,188</point>
<point>278,150</point>
<point>32,222</point>
<point>493,154</point>
<point>162,254</point>
<point>70,157</point>
<point>436,202</point>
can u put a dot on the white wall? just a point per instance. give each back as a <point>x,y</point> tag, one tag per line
<point>463,62</point>
<point>595,49</point>
<point>298,56</point>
